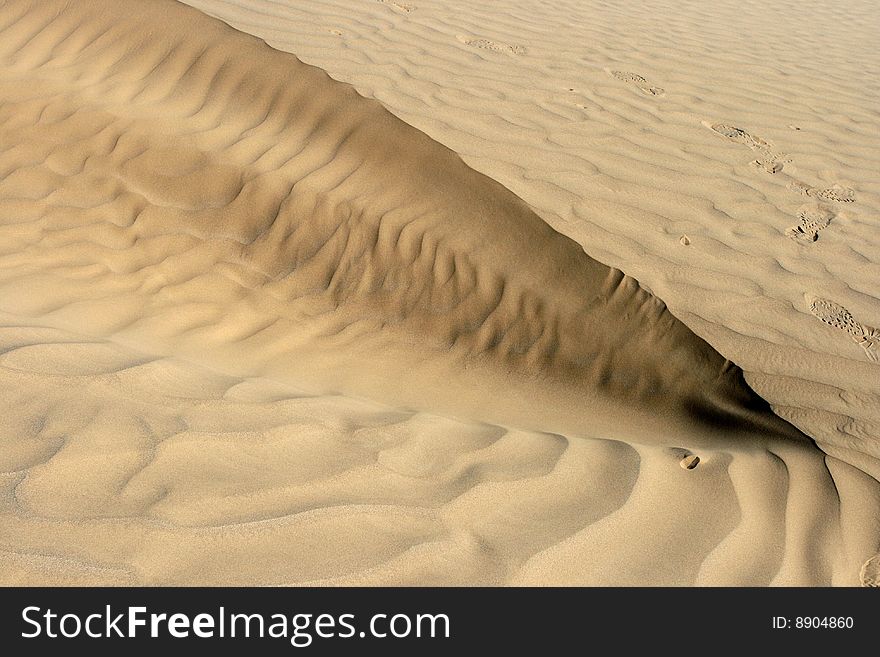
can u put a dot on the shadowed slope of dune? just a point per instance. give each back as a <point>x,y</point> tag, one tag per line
<point>173,184</point>
<point>634,177</point>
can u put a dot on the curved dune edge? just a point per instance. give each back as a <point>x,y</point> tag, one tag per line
<point>213,199</point>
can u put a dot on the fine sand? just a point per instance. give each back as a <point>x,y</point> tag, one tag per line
<point>257,329</point>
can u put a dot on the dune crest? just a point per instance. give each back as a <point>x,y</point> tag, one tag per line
<point>201,194</point>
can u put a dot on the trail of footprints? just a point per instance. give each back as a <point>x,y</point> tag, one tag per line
<point>772,162</point>
<point>499,47</point>
<point>812,219</point>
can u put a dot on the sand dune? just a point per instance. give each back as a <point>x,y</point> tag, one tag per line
<point>277,224</point>
<point>212,254</point>
<point>626,174</point>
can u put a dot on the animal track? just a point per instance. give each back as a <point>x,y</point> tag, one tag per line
<point>399,6</point>
<point>839,317</point>
<point>812,220</point>
<point>837,193</point>
<point>768,160</point>
<point>640,82</point>
<point>493,46</point>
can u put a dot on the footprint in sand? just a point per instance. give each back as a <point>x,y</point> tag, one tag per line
<point>398,6</point>
<point>633,78</point>
<point>768,160</point>
<point>812,220</point>
<point>870,574</point>
<point>493,46</point>
<point>840,318</point>
<point>768,165</point>
<point>836,193</point>
<point>740,136</point>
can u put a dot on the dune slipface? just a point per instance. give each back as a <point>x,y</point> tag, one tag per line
<point>170,183</point>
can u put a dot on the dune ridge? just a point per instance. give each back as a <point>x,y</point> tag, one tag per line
<point>628,174</point>
<point>189,194</point>
<point>276,223</point>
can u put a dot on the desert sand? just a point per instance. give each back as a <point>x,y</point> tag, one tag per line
<point>365,292</point>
